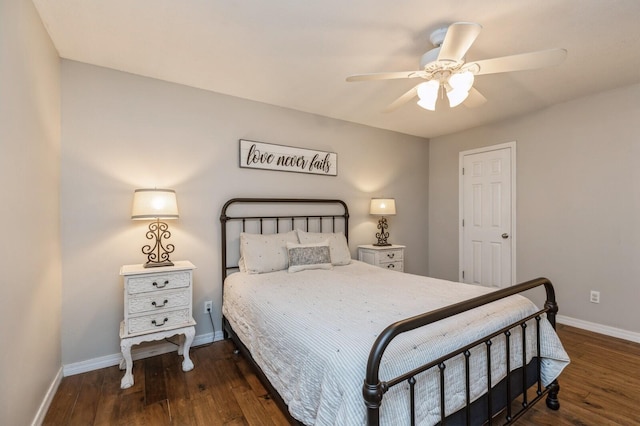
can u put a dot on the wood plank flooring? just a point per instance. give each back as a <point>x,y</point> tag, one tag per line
<point>600,387</point>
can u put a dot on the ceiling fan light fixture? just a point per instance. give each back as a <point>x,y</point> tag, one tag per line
<point>461,80</point>
<point>428,94</point>
<point>429,105</point>
<point>445,68</point>
<point>456,96</point>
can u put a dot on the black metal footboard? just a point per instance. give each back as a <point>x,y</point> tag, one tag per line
<point>496,399</point>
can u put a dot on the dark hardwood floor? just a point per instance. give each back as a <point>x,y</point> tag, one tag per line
<point>600,387</point>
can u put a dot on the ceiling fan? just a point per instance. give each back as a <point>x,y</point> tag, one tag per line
<point>444,69</point>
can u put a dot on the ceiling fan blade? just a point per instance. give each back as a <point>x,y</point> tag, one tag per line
<point>386,75</point>
<point>410,94</point>
<point>460,36</point>
<point>475,99</point>
<point>523,61</point>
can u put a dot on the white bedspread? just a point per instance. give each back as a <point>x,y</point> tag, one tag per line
<point>311,333</point>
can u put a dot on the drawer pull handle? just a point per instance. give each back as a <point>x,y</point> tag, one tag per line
<point>391,266</point>
<point>155,305</point>
<point>391,255</point>
<point>164,284</point>
<point>160,325</point>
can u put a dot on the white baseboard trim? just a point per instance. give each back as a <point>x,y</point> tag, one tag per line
<point>599,328</point>
<point>147,351</point>
<point>48,397</point>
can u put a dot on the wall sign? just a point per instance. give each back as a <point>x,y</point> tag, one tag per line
<point>259,155</point>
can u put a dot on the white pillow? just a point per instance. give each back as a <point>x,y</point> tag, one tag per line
<point>241,266</point>
<point>309,256</point>
<point>340,254</point>
<point>265,253</point>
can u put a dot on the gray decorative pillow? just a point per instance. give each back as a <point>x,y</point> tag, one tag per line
<point>309,256</point>
<point>340,254</point>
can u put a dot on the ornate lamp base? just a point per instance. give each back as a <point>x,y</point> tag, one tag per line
<point>382,235</point>
<point>150,264</point>
<point>158,255</point>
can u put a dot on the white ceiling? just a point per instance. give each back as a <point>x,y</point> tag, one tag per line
<point>297,53</point>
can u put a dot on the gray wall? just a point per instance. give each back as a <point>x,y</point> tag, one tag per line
<point>29,212</point>
<point>122,132</point>
<point>578,202</point>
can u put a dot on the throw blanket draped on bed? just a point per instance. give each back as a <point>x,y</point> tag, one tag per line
<point>311,332</point>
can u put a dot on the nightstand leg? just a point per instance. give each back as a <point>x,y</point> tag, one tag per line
<point>189,334</point>
<point>127,380</point>
<point>181,339</point>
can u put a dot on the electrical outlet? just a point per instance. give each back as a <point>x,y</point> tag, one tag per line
<point>208,306</point>
<point>594,297</point>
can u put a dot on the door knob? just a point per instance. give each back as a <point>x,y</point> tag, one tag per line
<point>505,235</point>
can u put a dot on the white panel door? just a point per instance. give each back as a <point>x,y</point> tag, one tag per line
<point>487,222</point>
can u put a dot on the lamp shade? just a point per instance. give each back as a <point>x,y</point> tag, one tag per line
<point>154,204</point>
<point>460,83</point>
<point>456,97</point>
<point>462,80</point>
<point>383,206</point>
<point>428,94</point>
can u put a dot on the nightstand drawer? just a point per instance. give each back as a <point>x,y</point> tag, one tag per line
<point>148,302</point>
<point>158,321</point>
<point>143,284</point>
<point>391,255</point>
<point>394,266</point>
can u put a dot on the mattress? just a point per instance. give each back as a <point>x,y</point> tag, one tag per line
<point>311,333</point>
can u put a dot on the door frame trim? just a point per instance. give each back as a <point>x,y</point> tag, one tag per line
<point>512,234</point>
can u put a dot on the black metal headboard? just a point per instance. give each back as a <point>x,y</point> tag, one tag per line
<point>313,214</point>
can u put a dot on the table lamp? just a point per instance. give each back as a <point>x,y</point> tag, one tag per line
<point>156,204</point>
<point>382,207</point>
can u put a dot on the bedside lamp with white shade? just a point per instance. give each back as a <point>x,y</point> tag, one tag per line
<point>156,204</point>
<point>382,207</point>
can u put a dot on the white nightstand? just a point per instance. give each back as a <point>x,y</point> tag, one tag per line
<point>389,257</point>
<point>157,305</point>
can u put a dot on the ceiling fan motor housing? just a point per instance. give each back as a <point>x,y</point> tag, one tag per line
<point>430,58</point>
<point>437,36</point>
<point>431,65</point>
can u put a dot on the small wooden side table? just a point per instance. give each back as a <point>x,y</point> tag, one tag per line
<point>157,305</point>
<point>388,257</point>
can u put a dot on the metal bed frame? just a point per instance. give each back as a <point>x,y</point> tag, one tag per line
<point>485,410</point>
